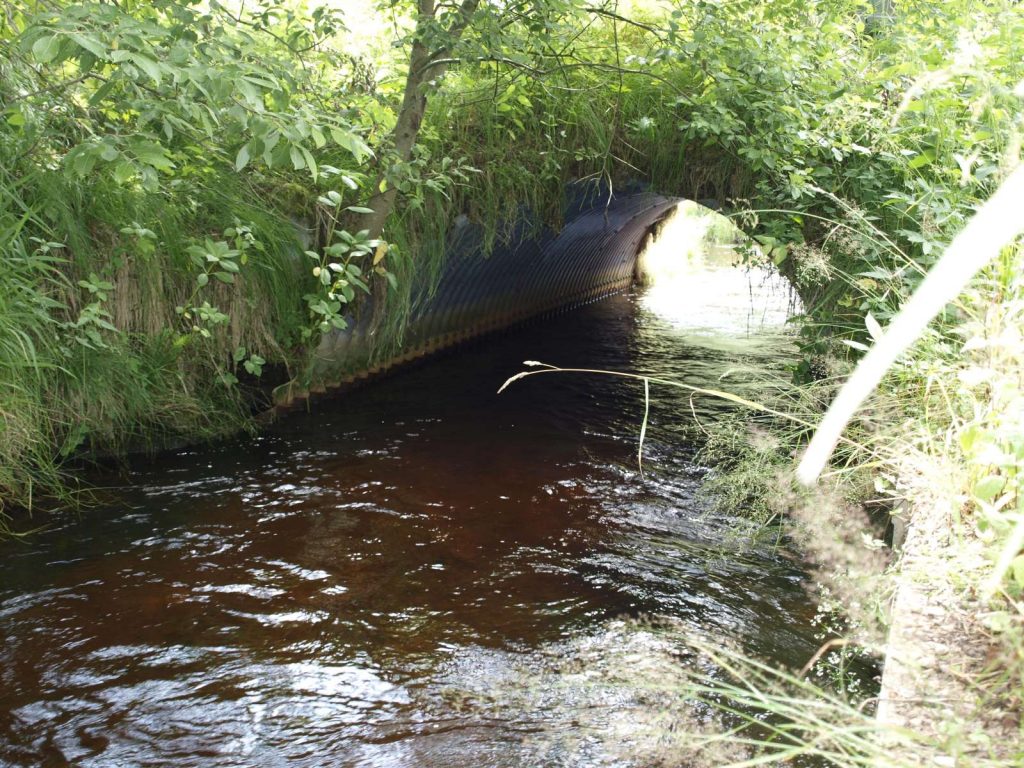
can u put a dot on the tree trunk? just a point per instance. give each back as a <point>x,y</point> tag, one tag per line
<point>422,77</point>
<point>407,128</point>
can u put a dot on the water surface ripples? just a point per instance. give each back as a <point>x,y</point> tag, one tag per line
<point>314,595</point>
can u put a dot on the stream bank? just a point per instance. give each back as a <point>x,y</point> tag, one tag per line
<point>940,647</point>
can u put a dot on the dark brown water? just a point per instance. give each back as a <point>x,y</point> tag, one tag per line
<point>321,594</point>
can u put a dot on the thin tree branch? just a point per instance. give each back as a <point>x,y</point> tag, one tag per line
<point>624,19</point>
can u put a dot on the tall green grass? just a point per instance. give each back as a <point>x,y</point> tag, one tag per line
<point>142,381</point>
<point>28,364</point>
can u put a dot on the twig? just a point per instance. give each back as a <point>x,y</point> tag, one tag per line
<point>835,642</point>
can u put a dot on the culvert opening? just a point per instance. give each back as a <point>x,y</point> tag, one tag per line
<point>697,269</point>
<point>683,254</point>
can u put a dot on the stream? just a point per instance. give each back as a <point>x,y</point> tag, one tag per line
<point>370,582</point>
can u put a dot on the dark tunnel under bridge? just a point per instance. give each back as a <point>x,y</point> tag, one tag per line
<point>534,274</point>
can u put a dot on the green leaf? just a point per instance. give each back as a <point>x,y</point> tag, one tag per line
<point>269,143</point>
<point>988,487</point>
<point>151,153</point>
<point>224,277</point>
<point>239,354</point>
<point>298,161</point>
<point>91,45</point>
<point>202,279</point>
<point>149,66</point>
<point>359,209</point>
<point>310,162</point>
<point>76,436</point>
<point>925,158</point>
<point>970,437</point>
<point>46,48</point>
<point>252,94</point>
<point>349,141</point>
<point>81,160</point>
<point>254,365</point>
<point>101,93</point>
<point>242,159</point>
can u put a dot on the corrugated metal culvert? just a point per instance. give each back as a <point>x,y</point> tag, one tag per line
<point>593,256</point>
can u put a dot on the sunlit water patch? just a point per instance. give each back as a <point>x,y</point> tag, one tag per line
<point>699,281</point>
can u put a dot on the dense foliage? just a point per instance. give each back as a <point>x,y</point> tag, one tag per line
<point>151,158</point>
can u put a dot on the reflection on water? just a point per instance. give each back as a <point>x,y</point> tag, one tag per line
<point>320,594</point>
<point>720,303</point>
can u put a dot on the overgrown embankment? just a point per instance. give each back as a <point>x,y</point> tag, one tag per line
<point>155,162</point>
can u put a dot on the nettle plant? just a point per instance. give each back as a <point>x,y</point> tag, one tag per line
<point>222,261</point>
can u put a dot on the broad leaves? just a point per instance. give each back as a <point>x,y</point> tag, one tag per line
<point>167,82</point>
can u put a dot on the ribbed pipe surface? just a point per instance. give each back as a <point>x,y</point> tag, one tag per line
<point>592,256</point>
